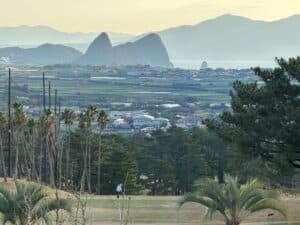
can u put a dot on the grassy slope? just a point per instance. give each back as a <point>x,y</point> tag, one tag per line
<point>163,210</point>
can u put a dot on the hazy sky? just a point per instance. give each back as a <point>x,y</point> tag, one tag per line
<point>134,16</point>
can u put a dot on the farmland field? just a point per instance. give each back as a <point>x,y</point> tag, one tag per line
<point>191,90</point>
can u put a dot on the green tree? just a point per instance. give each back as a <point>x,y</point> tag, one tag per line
<point>28,204</point>
<point>214,152</point>
<point>119,165</point>
<point>233,201</point>
<point>170,161</point>
<point>264,121</point>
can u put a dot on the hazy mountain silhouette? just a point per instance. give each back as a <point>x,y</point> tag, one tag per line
<point>42,55</point>
<point>32,36</point>
<point>233,37</point>
<point>149,50</point>
<point>99,52</point>
<point>227,37</point>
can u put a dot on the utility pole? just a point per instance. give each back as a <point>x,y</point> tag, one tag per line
<point>59,111</point>
<point>44,93</point>
<point>49,95</point>
<point>55,102</point>
<point>9,122</point>
<point>55,112</point>
<point>59,105</point>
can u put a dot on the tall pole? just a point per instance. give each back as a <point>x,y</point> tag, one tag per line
<point>55,111</point>
<point>44,93</point>
<point>55,102</point>
<point>59,105</point>
<point>49,95</point>
<point>9,122</point>
<point>59,111</point>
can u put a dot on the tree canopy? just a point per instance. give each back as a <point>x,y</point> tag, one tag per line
<point>264,121</point>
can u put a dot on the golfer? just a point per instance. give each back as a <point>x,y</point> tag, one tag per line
<point>119,190</point>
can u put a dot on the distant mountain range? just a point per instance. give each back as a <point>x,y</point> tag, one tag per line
<point>231,37</point>
<point>227,37</point>
<point>32,36</point>
<point>43,55</point>
<point>148,50</point>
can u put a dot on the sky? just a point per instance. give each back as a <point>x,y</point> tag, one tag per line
<point>135,16</point>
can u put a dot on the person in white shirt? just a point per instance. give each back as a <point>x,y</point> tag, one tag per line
<point>119,190</point>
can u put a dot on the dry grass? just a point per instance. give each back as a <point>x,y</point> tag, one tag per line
<point>10,184</point>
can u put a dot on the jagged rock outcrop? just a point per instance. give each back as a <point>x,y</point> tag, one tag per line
<point>99,52</point>
<point>148,50</point>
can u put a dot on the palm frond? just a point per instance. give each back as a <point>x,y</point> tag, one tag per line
<point>234,201</point>
<point>28,201</point>
<point>47,205</point>
<point>5,197</point>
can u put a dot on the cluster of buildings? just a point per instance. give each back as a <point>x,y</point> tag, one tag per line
<point>135,121</point>
<point>188,122</point>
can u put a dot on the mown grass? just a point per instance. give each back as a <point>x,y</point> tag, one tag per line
<point>165,210</point>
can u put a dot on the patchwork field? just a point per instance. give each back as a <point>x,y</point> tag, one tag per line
<point>144,91</point>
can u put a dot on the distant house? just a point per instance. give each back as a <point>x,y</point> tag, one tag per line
<point>142,121</point>
<point>120,124</point>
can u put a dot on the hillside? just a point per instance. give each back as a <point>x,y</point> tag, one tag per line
<point>43,55</point>
<point>230,37</point>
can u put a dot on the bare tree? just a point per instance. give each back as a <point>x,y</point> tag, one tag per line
<point>124,204</point>
<point>3,127</point>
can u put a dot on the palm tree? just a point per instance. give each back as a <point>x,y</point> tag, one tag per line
<point>28,204</point>
<point>47,129</point>
<point>234,201</point>
<point>32,134</point>
<point>102,120</point>
<point>68,116</point>
<point>19,122</point>
<point>82,128</point>
<point>91,112</point>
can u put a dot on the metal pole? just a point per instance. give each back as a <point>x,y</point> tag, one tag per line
<point>9,122</point>
<point>59,105</point>
<point>59,111</point>
<point>49,95</point>
<point>44,93</point>
<point>55,102</point>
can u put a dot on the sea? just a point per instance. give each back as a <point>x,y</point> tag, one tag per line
<point>230,64</point>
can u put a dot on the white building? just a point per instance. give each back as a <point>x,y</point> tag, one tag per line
<point>145,120</point>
